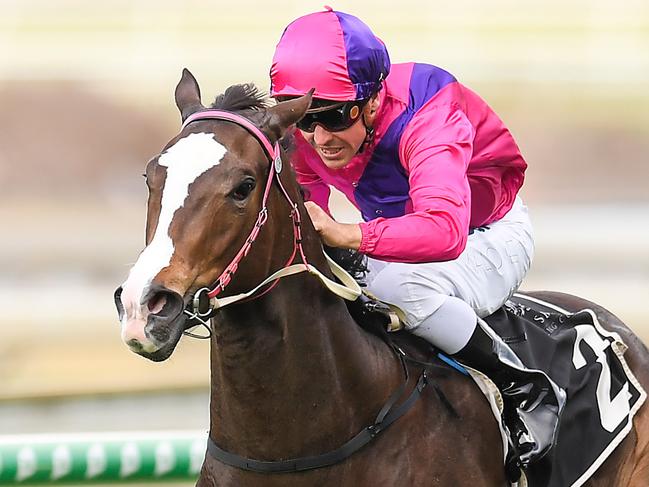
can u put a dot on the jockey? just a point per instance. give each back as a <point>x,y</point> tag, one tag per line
<point>435,175</point>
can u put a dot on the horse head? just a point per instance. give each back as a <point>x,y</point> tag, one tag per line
<point>206,189</point>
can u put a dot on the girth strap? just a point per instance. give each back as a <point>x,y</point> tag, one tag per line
<point>388,415</point>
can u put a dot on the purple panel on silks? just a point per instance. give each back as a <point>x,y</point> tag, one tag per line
<point>383,190</point>
<point>367,57</point>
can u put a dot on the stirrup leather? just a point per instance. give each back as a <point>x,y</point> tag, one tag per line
<point>394,316</point>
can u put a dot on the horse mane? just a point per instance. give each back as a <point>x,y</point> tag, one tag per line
<point>351,260</point>
<point>244,96</point>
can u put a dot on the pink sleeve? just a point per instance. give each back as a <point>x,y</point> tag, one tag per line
<point>435,149</point>
<point>315,189</point>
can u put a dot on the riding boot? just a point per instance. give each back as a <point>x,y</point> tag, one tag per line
<point>532,401</point>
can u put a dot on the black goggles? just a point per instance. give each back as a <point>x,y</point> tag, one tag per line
<point>333,117</point>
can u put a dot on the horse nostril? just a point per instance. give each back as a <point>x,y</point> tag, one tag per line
<point>157,303</point>
<point>162,302</point>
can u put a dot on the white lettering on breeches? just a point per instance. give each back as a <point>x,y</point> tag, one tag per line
<point>485,275</point>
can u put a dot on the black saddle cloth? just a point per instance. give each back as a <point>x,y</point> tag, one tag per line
<point>586,361</point>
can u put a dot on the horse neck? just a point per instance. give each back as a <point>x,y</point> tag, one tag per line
<point>293,374</point>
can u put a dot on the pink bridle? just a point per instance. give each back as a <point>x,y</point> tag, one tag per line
<point>274,157</point>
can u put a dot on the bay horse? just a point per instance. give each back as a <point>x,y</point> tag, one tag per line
<point>292,375</point>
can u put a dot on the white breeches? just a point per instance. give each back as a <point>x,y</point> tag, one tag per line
<point>484,276</point>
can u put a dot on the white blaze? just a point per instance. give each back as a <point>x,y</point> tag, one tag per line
<point>185,161</point>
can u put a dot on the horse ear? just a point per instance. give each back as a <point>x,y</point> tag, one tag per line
<point>286,113</point>
<point>188,95</point>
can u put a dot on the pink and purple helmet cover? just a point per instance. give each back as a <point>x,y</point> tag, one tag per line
<point>333,52</point>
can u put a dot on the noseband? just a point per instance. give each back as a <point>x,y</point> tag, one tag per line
<point>205,302</point>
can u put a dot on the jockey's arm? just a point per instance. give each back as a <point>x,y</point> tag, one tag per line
<point>435,150</point>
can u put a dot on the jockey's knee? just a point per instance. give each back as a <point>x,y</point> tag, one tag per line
<point>450,326</point>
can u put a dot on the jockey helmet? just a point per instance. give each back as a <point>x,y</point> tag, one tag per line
<point>333,52</point>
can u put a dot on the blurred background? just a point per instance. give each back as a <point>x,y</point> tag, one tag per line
<point>86,96</point>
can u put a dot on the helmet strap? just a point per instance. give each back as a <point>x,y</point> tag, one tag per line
<point>369,136</point>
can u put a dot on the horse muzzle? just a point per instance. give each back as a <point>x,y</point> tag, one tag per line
<point>152,326</point>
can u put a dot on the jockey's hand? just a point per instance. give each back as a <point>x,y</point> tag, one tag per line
<point>332,233</point>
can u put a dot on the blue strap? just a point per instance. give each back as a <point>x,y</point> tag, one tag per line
<point>453,363</point>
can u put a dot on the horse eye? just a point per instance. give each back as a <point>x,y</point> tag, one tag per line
<point>244,189</point>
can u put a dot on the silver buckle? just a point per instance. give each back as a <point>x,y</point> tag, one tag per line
<point>197,303</point>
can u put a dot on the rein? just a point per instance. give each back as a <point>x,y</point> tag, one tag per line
<point>349,289</point>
